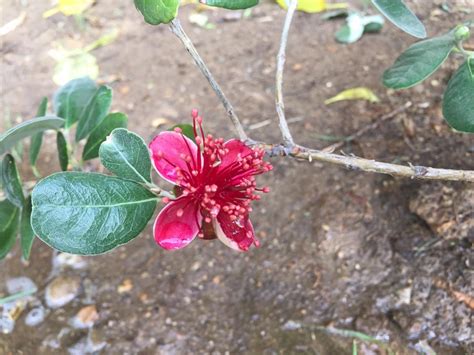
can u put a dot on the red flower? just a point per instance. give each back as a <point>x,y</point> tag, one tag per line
<point>215,184</point>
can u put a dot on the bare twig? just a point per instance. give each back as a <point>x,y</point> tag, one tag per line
<point>331,148</point>
<point>355,163</point>
<point>281,59</point>
<point>178,30</point>
<point>300,152</point>
<point>368,165</point>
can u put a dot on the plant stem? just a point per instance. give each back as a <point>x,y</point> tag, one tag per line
<point>158,191</point>
<point>281,59</point>
<point>367,165</point>
<point>178,30</point>
<point>16,296</point>
<point>289,148</point>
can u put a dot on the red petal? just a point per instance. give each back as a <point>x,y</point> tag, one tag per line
<point>166,150</point>
<point>235,147</point>
<point>238,236</point>
<point>177,224</point>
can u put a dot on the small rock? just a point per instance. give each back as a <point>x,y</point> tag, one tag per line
<point>63,260</point>
<point>291,325</point>
<point>424,348</point>
<point>85,318</point>
<point>96,340</point>
<point>91,344</point>
<point>126,286</point>
<point>61,291</point>
<point>7,324</point>
<point>404,296</point>
<point>35,316</point>
<point>20,284</point>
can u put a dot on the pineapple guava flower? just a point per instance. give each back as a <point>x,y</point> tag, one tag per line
<point>214,183</point>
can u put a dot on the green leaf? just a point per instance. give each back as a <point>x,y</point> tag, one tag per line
<point>352,31</point>
<point>63,155</point>
<point>230,4</point>
<point>458,101</point>
<point>12,182</point>
<point>418,62</point>
<point>94,112</point>
<point>71,99</point>
<point>186,129</point>
<point>156,12</point>
<point>88,214</point>
<point>9,215</point>
<point>37,139</point>
<point>100,133</point>
<point>28,128</point>
<point>401,16</point>
<point>26,232</point>
<point>126,155</point>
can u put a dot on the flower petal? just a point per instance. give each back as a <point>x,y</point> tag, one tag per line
<point>238,236</point>
<point>166,150</point>
<point>177,224</point>
<point>235,147</point>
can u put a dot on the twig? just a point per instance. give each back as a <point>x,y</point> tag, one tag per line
<point>300,152</point>
<point>331,148</point>
<point>281,59</point>
<point>178,30</point>
<point>356,163</point>
<point>368,165</point>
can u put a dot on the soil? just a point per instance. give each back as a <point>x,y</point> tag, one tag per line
<point>391,258</point>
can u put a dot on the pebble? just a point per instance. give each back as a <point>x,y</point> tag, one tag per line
<point>126,286</point>
<point>62,260</point>
<point>61,291</point>
<point>85,318</point>
<point>291,325</point>
<point>7,324</point>
<point>91,344</point>
<point>35,316</point>
<point>20,284</point>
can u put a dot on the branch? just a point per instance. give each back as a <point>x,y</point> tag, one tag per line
<point>412,171</point>
<point>178,30</point>
<point>355,163</point>
<point>281,59</point>
<point>303,153</point>
<point>368,165</point>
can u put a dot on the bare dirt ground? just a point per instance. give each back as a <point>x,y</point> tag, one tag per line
<point>388,257</point>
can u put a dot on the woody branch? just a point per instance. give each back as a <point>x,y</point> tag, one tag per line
<point>289,147</point>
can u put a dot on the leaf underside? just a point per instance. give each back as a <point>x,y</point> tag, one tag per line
<point>401,16</point>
